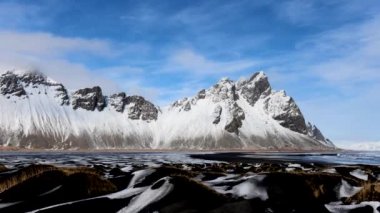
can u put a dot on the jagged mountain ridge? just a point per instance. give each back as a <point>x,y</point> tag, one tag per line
<point>37,112</point>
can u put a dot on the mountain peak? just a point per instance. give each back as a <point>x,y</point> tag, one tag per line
<point>255,87</point>
<point>224,80</point>
<point>257,76</point>
<point>37,112</point>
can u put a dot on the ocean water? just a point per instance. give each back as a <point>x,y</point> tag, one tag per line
<point>112,159</point>
<point>20,159</point>
<point>344,158</point>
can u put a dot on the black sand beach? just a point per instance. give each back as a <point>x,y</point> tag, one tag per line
<point>179,182</point>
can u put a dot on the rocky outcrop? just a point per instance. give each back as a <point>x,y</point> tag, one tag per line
<point>252,89</point>
<point>314,132</point>
<point>184,104</point>
<point>62,95</point>
<point>117,101</point>
<point>284,109</point>
<point>201,94</point>
<point>138,108</point>
<point>10,85</point>
<point>34,77</point>
<point>89,99</point>
<point>224,90</point>
<point>234,122</point>
<point>216,114</point>
<point>15,84</point>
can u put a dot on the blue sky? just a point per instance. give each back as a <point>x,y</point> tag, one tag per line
<point>325,54</point>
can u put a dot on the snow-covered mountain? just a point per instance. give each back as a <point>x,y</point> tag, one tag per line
<point>359,145</point>
<point>37,112</point>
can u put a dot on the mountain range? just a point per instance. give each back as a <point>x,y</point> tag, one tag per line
<point>37,112</point>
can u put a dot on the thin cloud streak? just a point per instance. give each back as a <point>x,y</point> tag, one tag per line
<point>191,62</point>
<point>50,54</point>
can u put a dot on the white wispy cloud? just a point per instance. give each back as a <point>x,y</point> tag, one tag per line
<point>339,68</point>
<point>48,45</point>
<point>320,14</point>
<point>297,11</point>
<point>343,57</point>
<point>15,14</point>
<point>51,54</point>
<point>187,60</point>
<point>354,51</point>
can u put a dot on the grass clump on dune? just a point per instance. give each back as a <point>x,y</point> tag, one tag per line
<point>189,195</point>
<point>3,168</point>
<point>41,175</point>
<point>165,171</point>
<point>22,175</point>
<point>369,192</point>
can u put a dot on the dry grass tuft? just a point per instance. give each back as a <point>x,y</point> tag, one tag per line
<point>23,175</point>
<point>3,168</point>
<point>165,171</point>
<point>88,185</point>
<point>370,192</point>
<point>31,171</point>
<point>196,187</point>
<point>74,170</point>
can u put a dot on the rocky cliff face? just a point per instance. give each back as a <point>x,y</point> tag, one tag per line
<point>137,106</point>
<point>314,132</point>
<point>89,99</point>
<point>257,86</point>
<point>38,112</point>
<point>10,84</point>
<point>283,109</point>
<point>247,113</point>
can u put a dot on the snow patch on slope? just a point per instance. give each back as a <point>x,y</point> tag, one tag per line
<point>149,196</point>
<point>346,190</point>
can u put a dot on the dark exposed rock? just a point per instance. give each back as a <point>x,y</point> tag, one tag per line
<point>178,103</point>
<point>216,114</point>
<point>201,94</point>
<point>187,106</point>
<point>33,77</point>
<point>237,116</point>
<point>253,88</point>
<point>89,99</point>
<point>294,123</point>
<point>284,109</point>
<point>139,107</point>
<point>184,104</point>
<point>225,89</point>
<point>118,101</point>
<point>10,85</point>
<point>314,132</point>
<point>14,84</point>
<point>3,168</point>
<point>62,94</point>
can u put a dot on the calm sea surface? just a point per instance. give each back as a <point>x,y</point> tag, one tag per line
<point>18,159</point>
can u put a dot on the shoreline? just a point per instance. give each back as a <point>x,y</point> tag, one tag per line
<point>117,150</point>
